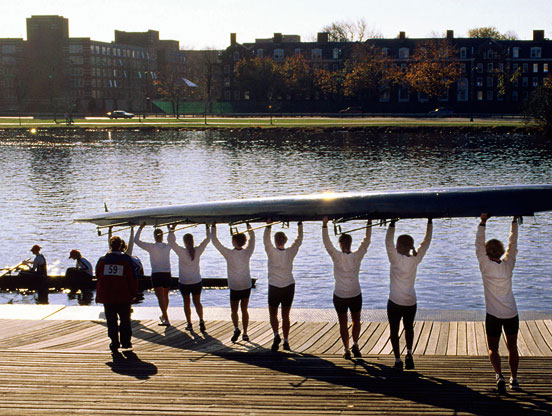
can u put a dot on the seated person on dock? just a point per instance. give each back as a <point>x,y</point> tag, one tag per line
<point>281,285</point>
<point>81,274</point>
<point>116,288</point>
<point>239,276</point>
<point>497,265</point>
<point>402,303</point>
<point>347,293</point>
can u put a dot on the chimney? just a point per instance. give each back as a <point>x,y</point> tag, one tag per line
<point>450,34</point>
<point>402,35</point>
<point>232,39</point>
<point>538,35</point>
<point>323,37</point>
<point>277,38</point>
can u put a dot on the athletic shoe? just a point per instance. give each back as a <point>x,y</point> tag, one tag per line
<point>514,384</point>
<point>189,327</point>
<point>356,351</point>
<point>286,346</point>
<point>409,362</point>
<point>164,322</point>
<point>398,365</point>
<point>276,343</point>
<point>347,355</point>
<point>500,383</point>
<point>236,335</point>
<point>245,337</point>
<point>202,326</point>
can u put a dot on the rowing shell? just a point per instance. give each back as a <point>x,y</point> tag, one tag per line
<point>421,203</point>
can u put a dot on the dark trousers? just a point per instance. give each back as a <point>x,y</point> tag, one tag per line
<point>122,312</point>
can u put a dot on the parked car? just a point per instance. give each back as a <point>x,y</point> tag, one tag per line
<point>441,112</point>
<point>119,114</point>
<point>351,110</point>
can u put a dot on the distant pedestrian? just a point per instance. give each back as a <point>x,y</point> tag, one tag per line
<point>402,304</point>
<point>281,284</point>
<point>497,265</point>
<point>116,288</point>
<point>38,266</point>
<point>160,269</point>
<point>347,293</point>
<point>239,276</point>
<point>189,275</point>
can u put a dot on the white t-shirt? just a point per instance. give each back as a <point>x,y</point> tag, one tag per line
<point>237,261</point>
<point>85,266</point>
<point>346,265</point>
<point>280,262</point>
<point>160,254</point>
<point>402,271</point>
<point>497,277</point>
<point>188,269</point>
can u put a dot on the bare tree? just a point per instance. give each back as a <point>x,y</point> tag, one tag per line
<point>492,32</point>
<point>351,31</point>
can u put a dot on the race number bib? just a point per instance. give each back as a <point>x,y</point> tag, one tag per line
<point>113,270</point>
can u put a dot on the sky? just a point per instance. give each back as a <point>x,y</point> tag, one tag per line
<point>208,23</point>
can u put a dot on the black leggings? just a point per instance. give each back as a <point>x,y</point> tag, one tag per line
<point>394,314</point>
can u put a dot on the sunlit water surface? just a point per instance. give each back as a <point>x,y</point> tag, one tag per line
<point>48,181</point>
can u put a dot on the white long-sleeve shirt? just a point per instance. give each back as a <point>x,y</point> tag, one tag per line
<point>237,261</point>
<point>346,265</point>
<point>188,269</point>
<point>160,254</point>
<point>280,262</point>
<point>497,277</point>
<point>402,271</point>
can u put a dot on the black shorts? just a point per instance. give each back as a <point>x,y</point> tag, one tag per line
<point>342,304</point>
<point>281,295</point>
<point>194,288</point>
<point>162,279</point>
<point>493,325</point>
<point>397,312</point>
<point>240,294</point>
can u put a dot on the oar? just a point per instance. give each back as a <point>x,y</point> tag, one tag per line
<point>11,269</point>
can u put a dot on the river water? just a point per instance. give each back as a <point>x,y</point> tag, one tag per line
<point>47,181</point>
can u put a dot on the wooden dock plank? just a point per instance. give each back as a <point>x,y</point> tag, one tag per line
<point>442,343</point>
<point>545,334</point>
<point>433,338</point>
<point>423,339</point>
<point>452,338</point>
<point>470,338</point>
<point>462,340</point>
<point>481,339</point>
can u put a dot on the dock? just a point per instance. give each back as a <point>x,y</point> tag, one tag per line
<point>54,359</point>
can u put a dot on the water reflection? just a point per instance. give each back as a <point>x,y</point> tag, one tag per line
<point>49,180</point>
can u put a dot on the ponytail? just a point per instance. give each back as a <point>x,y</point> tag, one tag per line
<point>189,243</point>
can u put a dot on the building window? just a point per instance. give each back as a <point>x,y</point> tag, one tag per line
<point>8,48</point>
<point>535,82</point>
<point>335,53</point>
<point>535,67</point>
<point>490,67</point>
<point>462,88</point>
<point>490,54</point>
<point>514,96</point>
<point>515,67</point>
<point>260,53</point>
<point>479,95</point>
<point>515,82</point>
<point>278,54</point>
<point>385,95</point>
<point>479,68</point>
<point>385,51</point>
<point>499,96</point>
<point>479,81</point>
<point>227,95</point>
<point>403,53</point>
<point>501,67</point>
<point>423,97</point>
<point>464,68</point>
<point>298,51</point>
<point>236,56</point>
<point>404,94</point>
<point>489,96</point>
<point>75,48</point>
<point>489,81</point>
<point>524,82</point>
<point>515,52</point>
<point>536,52</point>
<point>463,53</point>
<point>544,68</point>
<point>525,67</point>
<point>237,96</point>
<point>316,54</point>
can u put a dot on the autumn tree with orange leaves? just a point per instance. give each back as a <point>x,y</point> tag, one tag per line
<point>432,69</point>
<point>367,73</point>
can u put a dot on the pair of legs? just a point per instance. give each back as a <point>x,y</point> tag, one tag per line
<point>195,291</point>
<point>395,313</point>
<point>161,283</point>
<point>283,296</point>
<point>342,305</point>
<point>115,313</point>
<point>239,299</point>
<point>493,328</point>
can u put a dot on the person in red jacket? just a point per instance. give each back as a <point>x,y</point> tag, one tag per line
<point>116,288</point>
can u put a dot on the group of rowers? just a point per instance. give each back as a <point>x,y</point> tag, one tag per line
<point>117,286</point>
